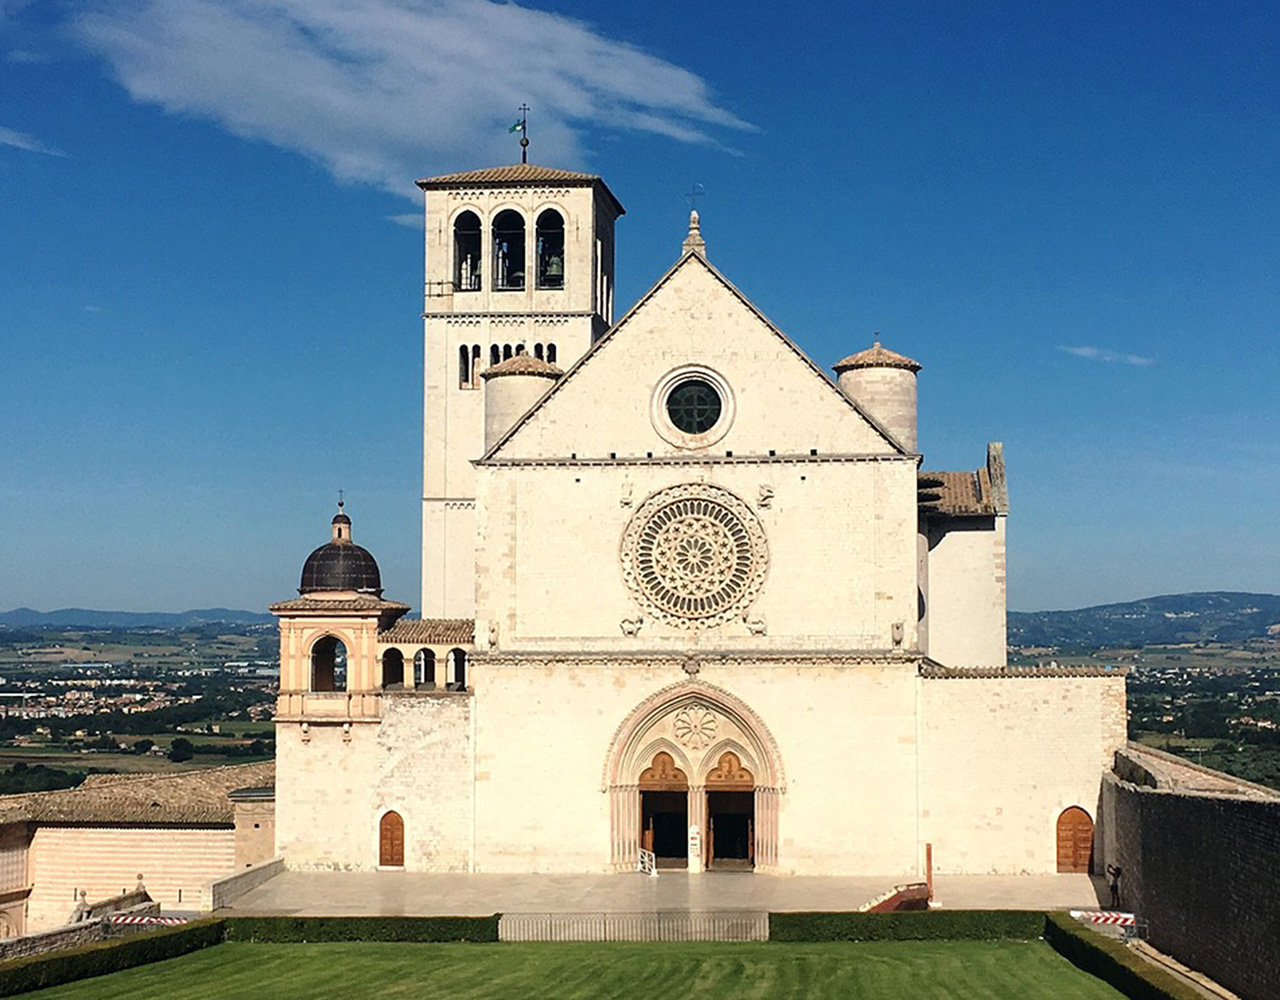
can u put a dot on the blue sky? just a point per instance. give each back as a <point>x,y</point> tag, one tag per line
<point>209,295</point>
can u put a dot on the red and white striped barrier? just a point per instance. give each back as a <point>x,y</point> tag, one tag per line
<point>120,918</point>
<point>1110,917</point>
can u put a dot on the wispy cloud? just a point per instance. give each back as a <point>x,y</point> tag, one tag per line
<point>25,57</point>
<point>411,219</point>
<point>1104,354</point>
<point>21,140</point>
<point>385,90</point>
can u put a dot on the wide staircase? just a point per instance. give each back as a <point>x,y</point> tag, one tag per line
<point>671,925</point>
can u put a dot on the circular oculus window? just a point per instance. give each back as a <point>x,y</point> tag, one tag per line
<point>692,407</point>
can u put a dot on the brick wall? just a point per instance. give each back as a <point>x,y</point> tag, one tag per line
<point>1204,872</point>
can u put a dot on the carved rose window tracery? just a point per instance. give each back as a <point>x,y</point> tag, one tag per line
<point>694,555</point>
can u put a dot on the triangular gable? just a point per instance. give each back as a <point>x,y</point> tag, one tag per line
<point>883,439</point>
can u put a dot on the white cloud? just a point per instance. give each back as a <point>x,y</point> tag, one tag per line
<point>24,57</point>
<point>21,140</point>
<point>1103,354</point>
<point>411,219</point>
<point>384,91</point>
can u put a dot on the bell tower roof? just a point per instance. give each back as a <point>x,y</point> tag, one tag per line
<point>518,175</point>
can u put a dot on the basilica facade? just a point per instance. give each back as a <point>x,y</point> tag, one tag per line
<point>683,593</point>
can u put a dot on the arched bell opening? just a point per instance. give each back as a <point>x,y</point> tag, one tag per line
<point>466,252</point>
<point>508,251</point>
<point>328,664</point>
<point>550,234</point>
<point>424,669</point>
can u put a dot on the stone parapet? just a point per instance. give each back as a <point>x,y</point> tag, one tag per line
<point>225,891</point>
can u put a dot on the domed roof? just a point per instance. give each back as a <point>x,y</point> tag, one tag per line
<point>522,364</point>
<point>341,564</point>
<point>876,356</point>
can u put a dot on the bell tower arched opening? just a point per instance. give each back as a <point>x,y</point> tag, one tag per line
<point>466,252</point>
<point>508,251</point>
<point>550,257</point>
<point>329,664</point>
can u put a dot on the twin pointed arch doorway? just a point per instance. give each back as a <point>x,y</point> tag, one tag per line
<point>694,775</point>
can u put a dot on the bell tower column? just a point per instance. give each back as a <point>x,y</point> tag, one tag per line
<point>519,260</point>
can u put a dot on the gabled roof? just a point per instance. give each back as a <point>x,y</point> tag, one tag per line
<point>981,493</point>
<point>197,797</point>
<point>518,175</point>
<point>688,259</point>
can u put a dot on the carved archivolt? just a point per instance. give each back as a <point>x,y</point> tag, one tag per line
<point>694,556</point>
<point>700,726</point>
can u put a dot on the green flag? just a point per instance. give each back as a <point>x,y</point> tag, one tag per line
<point>517,127</point>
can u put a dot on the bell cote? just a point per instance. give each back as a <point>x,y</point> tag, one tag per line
<point>520,239</point>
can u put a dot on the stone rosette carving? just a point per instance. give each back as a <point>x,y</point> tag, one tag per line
<point>694,556</point>
<point>695,727</point>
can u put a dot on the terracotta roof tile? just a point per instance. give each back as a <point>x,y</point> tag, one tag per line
<point>514,173</point>
<point>876,357</point>
<point>199,796</point>
<point>362,602</point>
<point>431,632</point>
<point>523,364</point>
<point>956,493</point>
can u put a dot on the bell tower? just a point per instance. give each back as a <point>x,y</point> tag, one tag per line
<point>519,260</point>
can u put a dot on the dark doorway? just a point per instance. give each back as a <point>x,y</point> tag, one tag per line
<point>731,833</point>
<point>665,831</point>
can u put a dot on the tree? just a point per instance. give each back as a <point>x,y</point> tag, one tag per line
<point>143,746</point>
<point>181,749</point>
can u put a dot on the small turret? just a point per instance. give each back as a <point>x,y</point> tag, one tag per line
<point>511,389</point>
<point>883,383</point>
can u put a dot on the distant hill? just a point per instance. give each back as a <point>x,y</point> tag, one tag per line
<point>1216,616</point>
<point>84,618</point>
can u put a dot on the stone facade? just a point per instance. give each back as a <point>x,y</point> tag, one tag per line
<point>695,597</point>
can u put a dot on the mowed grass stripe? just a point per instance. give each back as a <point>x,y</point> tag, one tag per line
<point>922,970</point>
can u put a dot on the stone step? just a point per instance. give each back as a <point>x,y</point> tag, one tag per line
<point>662,925</point>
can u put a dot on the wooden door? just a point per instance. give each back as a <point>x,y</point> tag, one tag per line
<point>391,841</point>
<point>1075,841</point>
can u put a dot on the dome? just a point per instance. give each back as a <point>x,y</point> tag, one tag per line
<point>876,357</point>
<point>341,564</point>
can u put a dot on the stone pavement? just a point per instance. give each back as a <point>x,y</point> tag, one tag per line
<point>415,894</point>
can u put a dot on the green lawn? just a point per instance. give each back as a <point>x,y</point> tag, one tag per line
<point>931,970</point>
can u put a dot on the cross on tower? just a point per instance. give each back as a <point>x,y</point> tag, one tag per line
<point>524,133</point>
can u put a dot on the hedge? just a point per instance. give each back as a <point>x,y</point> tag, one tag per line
<point>53,968</point>
<point>279,930</point>
<point>918,925</point>
<point>1113,962</point>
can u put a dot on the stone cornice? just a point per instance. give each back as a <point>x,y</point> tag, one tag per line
<point>699,460</point>
<point>698,660</point>
<point>936,671</point>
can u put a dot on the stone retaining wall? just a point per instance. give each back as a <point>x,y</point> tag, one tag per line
<point>225,891</point>
<point>1203,871</point>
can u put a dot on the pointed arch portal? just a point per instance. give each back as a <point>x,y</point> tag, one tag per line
<point>694,775</point>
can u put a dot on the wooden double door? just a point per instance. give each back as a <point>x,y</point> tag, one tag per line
<point>391,841</point>
<point>1075,841</point>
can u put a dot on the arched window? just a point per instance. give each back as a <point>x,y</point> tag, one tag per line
<point>466,252</point>
<point>393,669</point>
<point>329,665</point>
<point>537,351</point>
<point>550,231</point>
<point>464,367</point>
<point>495,354</point>
<point>551,353</point>
<point>424,668</point>
<point>506,352</point>
<point>519,348</point>
<point>475,366</point>
<point>456,675</point>
<point>508,251</point>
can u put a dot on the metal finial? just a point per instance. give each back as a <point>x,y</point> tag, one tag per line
<point>524,133</point>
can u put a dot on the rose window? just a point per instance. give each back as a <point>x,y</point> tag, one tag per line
<point>694,555</point>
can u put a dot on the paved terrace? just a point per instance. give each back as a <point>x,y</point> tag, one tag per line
<point>412,894</point>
